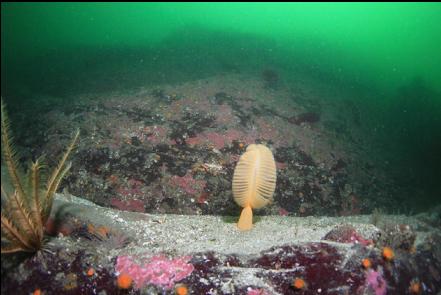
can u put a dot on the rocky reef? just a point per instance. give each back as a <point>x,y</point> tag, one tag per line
<point>92,247</point>
<point>147,207</point>
<point>173,148</point>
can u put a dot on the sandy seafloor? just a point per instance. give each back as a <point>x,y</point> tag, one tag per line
<point>184,234</point>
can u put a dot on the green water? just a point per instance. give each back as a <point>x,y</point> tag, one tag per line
<point>386,53</point>
<point>384,44</point>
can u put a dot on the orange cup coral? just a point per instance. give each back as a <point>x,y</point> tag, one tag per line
<point>124,281</point>
<point>299,283</point>
<point>388,253</point>
<point>366,262</point>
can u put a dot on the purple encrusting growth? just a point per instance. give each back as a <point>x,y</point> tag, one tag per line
<point>206,275</point>
<point>325,268</point>
<point>188,184</point>
<point>59,273</point>
<point>376,282</point>
<point>312,262</point>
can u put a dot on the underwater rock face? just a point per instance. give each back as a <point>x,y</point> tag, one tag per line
<point>205,255</point>
<point>173,149</point>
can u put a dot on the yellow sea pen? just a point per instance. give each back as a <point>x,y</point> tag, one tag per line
<point>254,182</point>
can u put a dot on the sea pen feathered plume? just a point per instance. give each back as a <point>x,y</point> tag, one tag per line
<point>254,182</point>
<point>27,204</point>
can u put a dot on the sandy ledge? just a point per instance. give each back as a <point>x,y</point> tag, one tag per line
<point>186,234</point>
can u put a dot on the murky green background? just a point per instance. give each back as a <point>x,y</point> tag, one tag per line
<point>388,55</point>
<point>383,44</point>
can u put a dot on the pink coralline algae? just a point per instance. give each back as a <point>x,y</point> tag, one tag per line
<point>188,184</point>
<point>158,270</point>
<point>376,282</point>
<point>132,189</point>
<point>212,138</point>
<point>251,291</point>
<point>128,205</point>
